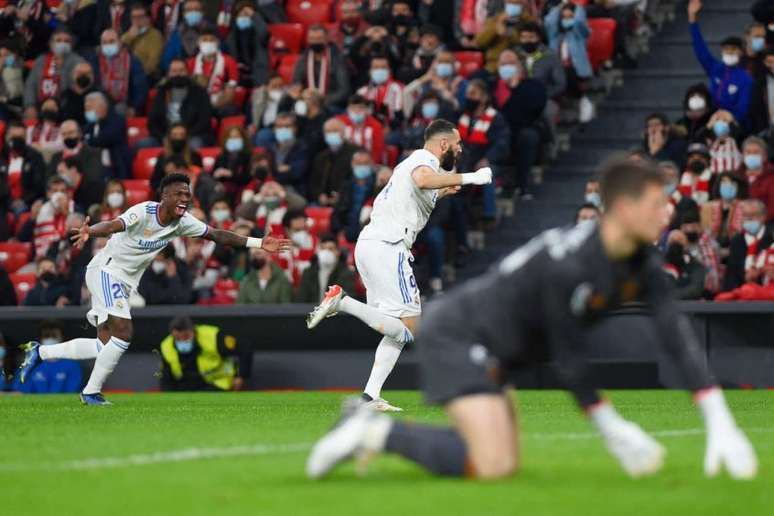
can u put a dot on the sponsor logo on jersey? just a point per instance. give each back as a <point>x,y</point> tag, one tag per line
<point>152,244</point>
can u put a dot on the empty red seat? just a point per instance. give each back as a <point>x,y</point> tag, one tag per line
<point>136,129</point>
<point>308,12</point>
<point>601,42</point>
<point>468,61</point>
<point>228,122</point>
<point>319,221</point>
<point>209,155</point>
<point>144,162</point>
<point>22,284</point>
<point>14,255</point>
<point>287,66</point>
<point>137,190</point>
<point>290,34</point>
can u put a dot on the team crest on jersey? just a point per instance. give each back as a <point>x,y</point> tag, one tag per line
<point>132,218</point>
<point>120,304</point>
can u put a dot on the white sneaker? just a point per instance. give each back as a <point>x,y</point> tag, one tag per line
<point>328,307</point>
<point>382,405</point>
<point>360,434</point>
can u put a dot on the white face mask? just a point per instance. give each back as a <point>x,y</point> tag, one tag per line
<point>58,197</point>
<point>220,215</point>
<point>158,267</point>
<point>301,239</point>
<point>730,59</point>
<point>208,48</point>
<point>697,103</point>
<point>275,95</point>
<point>115,200</point>
<point>327,258</point>
<point>300,108</point>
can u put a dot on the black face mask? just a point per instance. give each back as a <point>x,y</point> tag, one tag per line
<point>48,277</point>
<point>529,47</point>
<point>317,47</point>
<point>71,143</point>
<point>401,20</point>
<point>448,160</point>
<point>178,81</point>
<point>177,145</point>
<point>17,143</point>
<point>693,236</point>
<point>49,115</point>
<point>675,255</point>
<point>471,105</point>
<point>83,81</point>
<point>696,166</point>
<point>261,172</point>
<point>258,263</point>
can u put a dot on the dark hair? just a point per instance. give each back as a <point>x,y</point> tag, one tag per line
<point>740,182</point>
<point>328,237</point>
<point>586,206</point>
<point>690,216</point>
<point>136,6</point>
<point>439,126</point>
<point>318,27</point>
<point>208,31</point>
<point>357,99</point>
<point>51,324</point>
<point>530,26</point>
<point>624,178</point>
<point>181,323</point>
<point>172,179</point>
<point>698,89</point>
<point>291,215</point>
<point>661,117</point>
<point>732,41</point>
<point>54,180</point>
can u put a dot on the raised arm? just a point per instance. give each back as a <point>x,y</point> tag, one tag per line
<point>428,179</point>
<point>267,243</point>
<point>79,236</point>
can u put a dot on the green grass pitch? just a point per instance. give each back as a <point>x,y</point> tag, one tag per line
<point>243,454</point>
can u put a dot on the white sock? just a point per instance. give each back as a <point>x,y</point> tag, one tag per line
<point>388,326</point>
<point>75,349</point>
<point>387,354</point>
<point>106,361</point>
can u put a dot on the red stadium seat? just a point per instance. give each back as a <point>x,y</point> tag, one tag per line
<point>14,255</point>
<point>469,61</point>
<point>333,30</point>
<point>136,129</point>
<point>228,122</point>
<point>209,155</point>
<point>144,162</point>
<point>53,4</point>
<point>601,43</point>
<point>582,3</point>
<point>22,284</point>
<point>290,34</point>
<point>137,190</point>
<point>308,12</point>
<point>319,219</point>
<point>287,66</point>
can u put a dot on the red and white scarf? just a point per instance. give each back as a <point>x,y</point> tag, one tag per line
<point>752,241</point>
<point>171,17</point>
<point>733,221</point>
<point>696,187</point>
<point>477,135</point>
<point>49,82</point>
<point>390,94</point>
<point>116,13</point>
<point>320,84</point>
<point>725,156</point>
<point>114,74</point>
<point>214,70</point>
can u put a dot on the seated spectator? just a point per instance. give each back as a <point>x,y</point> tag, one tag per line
<point>501,32</point>
<point>119,74</point>
<point>247,43</point>
<point>592,195</point>
<point>220,214</point>
<point>44,135</point>
<point>521,102</point>
<point>362,129</point>
<point>205,188</point>
<point>11,81</point>
<point>328,267</point>
<point>700,246</point>
<point>266,102</point>
<point>84,192</point>
<point>291,157</point>
<point>183,42</point>
<point>27,22</point>
<point>267,208</point>
<point>429,107</point>
<point>311,115</point>
<point>81,18</point>
<point>180,100</point>
<point>375,41</point>
<point>418,62</point>
<point>331,168</point>
<point>587,212</point>
<point>167,281</point>
<point>698,108</point>
<point>322,67</point>
<point>760,173</point>
<point>22,171</point>
<point>83,157</point>
<point>745,247</point>
<point>383,176</point>
<point>106,130</point>
<point>678,203</point>
<point>166,15</point>
<point>686,273</point>
<point>730,84</point>
<point>176,145</point>
<point>721,134</point>
<point>114,202</point>
<point>52,376</point>
<point>112,14</point>
<point>722,217</point>
<point>354,194</point>
<point>266,283</point>
<point>568,31</point>
<point>295,228</point>
<point>351,25</point>
<point>144,41</point>
<point>696,181</point>
<point>49,289</point>
<point>661,142</point>
<point>762,102</point>
<point>384,93</point>
<point>72,99</point>
<point>52,72</point>
<point>624,14</point>
<point>441,78</point>
<point>201,358</point>
<point>216,72</point>
<point>232,166</point>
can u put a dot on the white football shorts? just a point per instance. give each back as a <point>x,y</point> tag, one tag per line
<point>109,296</point>
<point>385,269</point>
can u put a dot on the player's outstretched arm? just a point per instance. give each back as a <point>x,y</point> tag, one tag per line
<point>267,243</point>
<point>79,236</point>
<point>428,179</point>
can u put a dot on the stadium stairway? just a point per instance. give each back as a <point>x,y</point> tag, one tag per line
<point>657,84</point>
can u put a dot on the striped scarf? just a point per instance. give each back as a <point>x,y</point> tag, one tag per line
<point>696,187</point>
<point>312,82</point>
<point>477,134</point>
<point>752,241</point>
<point>389,95</point>
<point>725,156</point>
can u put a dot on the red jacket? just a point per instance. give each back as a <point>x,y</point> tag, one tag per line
<point>748,292</point>
<point>763,189</point>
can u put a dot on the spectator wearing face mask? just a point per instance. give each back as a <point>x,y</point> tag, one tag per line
<point>661,142</point>
<point>384,93</point>
<point>754,51</point>
<point>247,42</point>
<point>311,115</point>
<point>363,129</point>
<point>760,173</point>
<point>167,281</point>
<point>87,159</point>
<point>698,108</point>
<point>331,168</point>
<point>351,25</point>
<point>295,261</point>
<point>695,182</point>
<point>73,98</point>
<point>119,74</point>
<point>704,249</point>
<point>52,376</point>
<point>377,40</point>
<point>429,107</point>
<point>80,17</point>
<point>417,63</point>
<point>266,283</point>
<point>270,206</point>
<point>44,135</point>
<point>587,212</point>
<point>52,72</point>
<point>49,289</point>
<point>114,202</point>
<point>22,172</point>
<point>591,195</point>
<point>745,247</point>
<point>105,130</point>
<point>355,194</point>
<point>762,103</point>
<point>501,32</point>
<point>442,79</point>
<point>722,217</point>
<point>183,42</point>
<point>144,41</point>
<point>177,145</point>
<point>686,274</point>
<point>216,72</point>
<point>267,102</point>
<point>327,268</point>
<point>11,81</point>
<point>321,67</point>
<point>232,166</point>
<point>722,134</point>
<point>290,154</point>
<point>730,84</point>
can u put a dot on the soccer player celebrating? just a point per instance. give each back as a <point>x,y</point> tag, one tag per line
<point>537,302</point>
<point>383,251</point>
<point>138,235</point>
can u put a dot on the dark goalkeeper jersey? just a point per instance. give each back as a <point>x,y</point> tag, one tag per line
<point>538,301</point>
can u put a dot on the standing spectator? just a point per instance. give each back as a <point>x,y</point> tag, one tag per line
<point>760,173</point>
<point>144,41</point>
<point>384,93</point>
<point>266,283</point>
<point>106,130</point>
<point>331,168</point>
<point>568,31</point>
<point>291,156</point>
<point>660,141</point>
<point>183,42</point>
<point>52,72</point>
<point>355,191</point>
<point>500,32</point>
<point>177,146</point>
<point>112,14</point>
<point>755,48</point>
<point>180,100</point>
<point>52,376</point>
<point>762,102</point>
<point>119,74</point>
<point>746,246</point>
<point>49,289</point>
<point>114,202</point>
<point>322,67</point>
<point>441,78</point>
<point>363,129</point>
<point>11,81</point>
<point>730,84</point>
<point>700,246</point>
<point>232,166</point>
<point>418,62</point>
<point>216,72</point>
<point>167,281</point>
<point>44,135</point>
<point>247,42</point>
<point>722,217</point>
<point>328,267</point>
<point>71,100</point>
<point>81,156</point>
<point>698,108</point>
<point>22,171</point>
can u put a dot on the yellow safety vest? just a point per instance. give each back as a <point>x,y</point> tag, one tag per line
<point>214,368</point>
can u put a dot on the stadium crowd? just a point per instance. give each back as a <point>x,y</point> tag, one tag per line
<point>288,115</point>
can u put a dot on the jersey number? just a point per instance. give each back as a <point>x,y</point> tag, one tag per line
<point>119,291</point>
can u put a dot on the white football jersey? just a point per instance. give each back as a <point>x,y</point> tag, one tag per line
<point>128,253</point>
<point>402,209</point>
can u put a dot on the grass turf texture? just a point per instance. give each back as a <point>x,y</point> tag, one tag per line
<point>45,439</point>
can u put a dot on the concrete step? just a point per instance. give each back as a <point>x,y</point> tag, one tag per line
<point>656,84</point>
<point>621,123</point>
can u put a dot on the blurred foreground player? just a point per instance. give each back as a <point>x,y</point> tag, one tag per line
<point>136,237</point>
<point>383,251</point>
<point>570,278</point>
